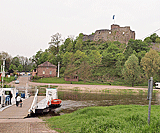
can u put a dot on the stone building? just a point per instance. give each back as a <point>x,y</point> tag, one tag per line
<point>117,33</point>
<point>46,70</point>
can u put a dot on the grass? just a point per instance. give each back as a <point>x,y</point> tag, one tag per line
<point>62,81</point>
<point>8,80</point>
<point>119,118</point>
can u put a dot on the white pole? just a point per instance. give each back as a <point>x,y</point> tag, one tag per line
<point>58,69</point>
<point>3,73</point>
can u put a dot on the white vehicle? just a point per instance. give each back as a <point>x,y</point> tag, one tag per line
<point>157,85</point>
<point>17,82</point>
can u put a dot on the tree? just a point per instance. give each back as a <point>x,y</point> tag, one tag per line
<point>151,63</point>
<point>35,58</point>
<point>67,58</point>
<point>55,40</point>
<point>94,58</point>
<point>153,37</point>
<point>158,40</point>
<point>16,61</point>
<point>131,70</point>
<point>110,55</point>
<point>148,40</point>
<point>84,71</point>
<point>138,45</point>
<point>20,68</point>
<point>13,67</point>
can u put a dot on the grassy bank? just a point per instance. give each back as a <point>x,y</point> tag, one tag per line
<point>119,118</point>
<point>62,81</point>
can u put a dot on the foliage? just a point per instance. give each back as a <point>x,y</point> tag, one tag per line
<point>20,68</point>
<point>119,118</point>
<point>13,67</point>
<point>151,63</point>
<point>8,80</point>
<point>157,40</point>
<point>131,70</point>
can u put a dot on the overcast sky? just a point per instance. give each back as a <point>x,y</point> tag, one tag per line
<point>26,26</point>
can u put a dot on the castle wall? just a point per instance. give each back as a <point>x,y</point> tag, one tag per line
<point>117,33</point>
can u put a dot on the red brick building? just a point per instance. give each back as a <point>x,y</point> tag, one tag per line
<point>46,70</point>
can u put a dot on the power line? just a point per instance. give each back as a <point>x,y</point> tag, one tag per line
<point>151,33</point>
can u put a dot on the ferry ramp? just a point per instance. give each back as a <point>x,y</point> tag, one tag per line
<point>14,112</point>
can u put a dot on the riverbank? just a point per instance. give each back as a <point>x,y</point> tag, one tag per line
<point>119,118</point>
<point>90,88</point>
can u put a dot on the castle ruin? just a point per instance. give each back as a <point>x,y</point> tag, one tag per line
<point>117,33</point>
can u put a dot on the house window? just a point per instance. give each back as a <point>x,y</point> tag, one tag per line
<point>50,72</point>
<point>43,72</point>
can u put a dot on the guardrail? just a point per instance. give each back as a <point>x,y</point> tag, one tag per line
<point>34,103</point>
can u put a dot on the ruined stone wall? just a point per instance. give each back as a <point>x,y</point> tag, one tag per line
<point>117,33</point>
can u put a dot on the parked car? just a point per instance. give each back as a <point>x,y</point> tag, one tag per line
<point>17,82</point>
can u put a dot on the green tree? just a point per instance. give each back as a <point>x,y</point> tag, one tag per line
<point>16,61</point>
<point>13,67</point>
<point>153,37</point>
<point>138,45</point>
<point>151,63</point>
<point>94,58</point>
<point>35,58</point>
<point>84,71</point>
<point>79,44</point>
<point>131,70</point>
<point>110,55</point>
<point>79,58</point>
<point>67,58</point>
<point>158,40</point>
<point>20,68</point>
<point>148,40</point>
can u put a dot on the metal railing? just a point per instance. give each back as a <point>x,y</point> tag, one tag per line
<point>34,103</point>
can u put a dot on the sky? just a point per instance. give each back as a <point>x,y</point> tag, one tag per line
<point>26,26</point>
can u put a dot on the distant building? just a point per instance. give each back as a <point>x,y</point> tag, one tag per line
<point>46,70</point>
<point>117,33</point>
<point>71,78</point>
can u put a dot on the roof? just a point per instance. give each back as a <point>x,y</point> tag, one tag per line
<point>46,64</point>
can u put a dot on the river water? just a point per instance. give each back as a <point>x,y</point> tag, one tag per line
<point>73,100</point>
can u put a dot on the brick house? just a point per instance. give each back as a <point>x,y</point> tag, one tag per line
<point>46,69</point>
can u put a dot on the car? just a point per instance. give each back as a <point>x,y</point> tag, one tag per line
<point>17,82</point>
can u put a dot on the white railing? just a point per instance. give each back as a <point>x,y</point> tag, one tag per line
<point>34,103</point>
<point>2,100</point>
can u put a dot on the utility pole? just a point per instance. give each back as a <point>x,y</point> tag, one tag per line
<point>58,69</point>
<point>3,72</point>
<point>3,75</point>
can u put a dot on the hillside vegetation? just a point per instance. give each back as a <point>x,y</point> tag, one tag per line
<point>108,62</point>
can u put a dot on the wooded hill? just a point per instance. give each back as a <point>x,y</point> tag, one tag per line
<point>102,61</point>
